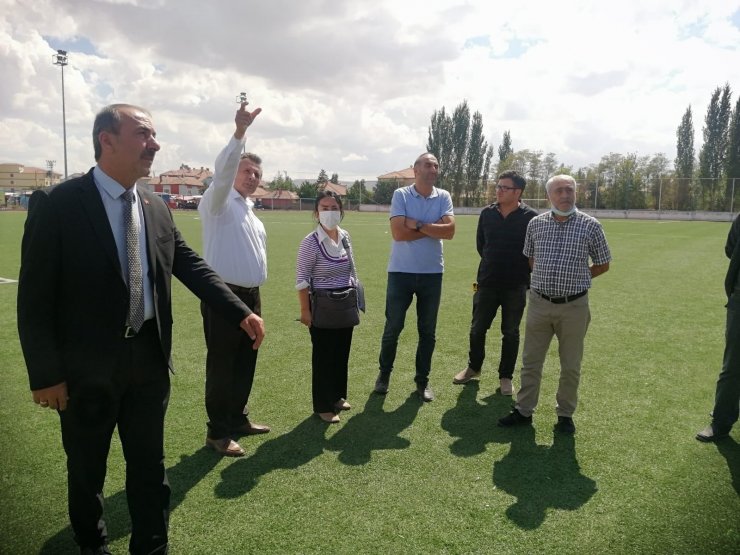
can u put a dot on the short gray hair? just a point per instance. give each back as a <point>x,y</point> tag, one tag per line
<point>560,178</point>
<point>109,119</point>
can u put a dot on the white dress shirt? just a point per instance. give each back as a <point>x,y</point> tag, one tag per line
<point>234,239</point>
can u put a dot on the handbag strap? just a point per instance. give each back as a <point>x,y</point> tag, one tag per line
<point>348,248</point>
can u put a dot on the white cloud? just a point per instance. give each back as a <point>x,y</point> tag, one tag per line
<point>350,88</point>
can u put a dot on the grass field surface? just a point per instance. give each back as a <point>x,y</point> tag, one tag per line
<point>398,477</point>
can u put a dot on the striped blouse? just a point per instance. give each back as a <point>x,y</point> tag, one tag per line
<point>322,262</point>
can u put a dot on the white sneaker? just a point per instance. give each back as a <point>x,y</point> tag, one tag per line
<point>506,387</point>
<point>464,376</point>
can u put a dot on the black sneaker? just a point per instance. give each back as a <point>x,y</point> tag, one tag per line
<point>565,425</point>
<point>381,384</point>
<point>514,418</point>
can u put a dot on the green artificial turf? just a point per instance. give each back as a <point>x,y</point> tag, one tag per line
<point>398,477</point>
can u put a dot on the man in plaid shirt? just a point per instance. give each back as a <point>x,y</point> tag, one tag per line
<point>559,244</point>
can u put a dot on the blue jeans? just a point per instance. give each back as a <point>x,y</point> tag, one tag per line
<point>728,384</point>
<point>400,292</point>
<point>486,303</point>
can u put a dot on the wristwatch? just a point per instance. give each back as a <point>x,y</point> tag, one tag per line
<point>419,225</point>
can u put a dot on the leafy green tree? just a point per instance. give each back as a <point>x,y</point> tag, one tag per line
<point>505,151</point>
<point>460,139</point>
<point>462,151</point>
<point>714,150</point>
<point>608,169</point>
<point>475,162</point>
<point>439,143</point>
<point>629,183</point>
<point>282,181</point>
<point>308,189</point>
<point>335,178</point>
<point>732,164</point>
<point>357,192</point>
<point>653,169</point>
<point>685,159</point>
<point>322,178</point>
<point>383,193</point>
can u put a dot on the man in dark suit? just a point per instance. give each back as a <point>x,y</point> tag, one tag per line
<point>95,323</point>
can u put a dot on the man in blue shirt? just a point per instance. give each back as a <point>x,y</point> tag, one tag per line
<point>421,216</point>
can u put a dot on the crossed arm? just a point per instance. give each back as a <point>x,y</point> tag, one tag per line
<point>404,229</point>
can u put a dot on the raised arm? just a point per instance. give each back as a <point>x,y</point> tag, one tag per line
<point>227,162</point>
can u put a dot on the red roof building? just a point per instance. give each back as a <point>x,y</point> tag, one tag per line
<point>402,177</point>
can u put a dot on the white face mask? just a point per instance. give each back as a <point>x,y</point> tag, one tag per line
<point>561,213</point>
<point>330,218</point>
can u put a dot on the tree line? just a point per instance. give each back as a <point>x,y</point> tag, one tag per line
<point>356,193</point>
<point>710,181</point>
<point>468,168</point>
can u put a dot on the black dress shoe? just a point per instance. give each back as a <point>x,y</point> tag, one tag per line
<point>381,384</point>
<point>565,425</point>
<point>708,435</point>
<point>425,392</point>
<point>514,418</point>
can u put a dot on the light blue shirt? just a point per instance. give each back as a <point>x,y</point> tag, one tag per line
<point>110,191</point>
<point>423,256</point>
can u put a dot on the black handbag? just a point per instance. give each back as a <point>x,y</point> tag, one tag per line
<point>338,308</point>
<point>334,308</point>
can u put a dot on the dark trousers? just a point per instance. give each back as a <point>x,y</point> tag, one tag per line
<point>486,303</point>
<point>400,292</point>
<point>727,396</point>
<point>230,365</point>
<point>134,397</point>
<point>329,366</point>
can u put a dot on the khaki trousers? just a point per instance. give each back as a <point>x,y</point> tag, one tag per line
<point>569,323</point>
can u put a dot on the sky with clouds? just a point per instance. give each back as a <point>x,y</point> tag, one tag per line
<point>350,85</point>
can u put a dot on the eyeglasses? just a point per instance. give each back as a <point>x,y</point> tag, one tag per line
<point>504,188</point>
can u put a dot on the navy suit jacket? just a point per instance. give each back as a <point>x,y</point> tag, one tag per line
<point>72,297</point>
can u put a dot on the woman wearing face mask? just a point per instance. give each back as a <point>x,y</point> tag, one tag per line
<point>324,263</point>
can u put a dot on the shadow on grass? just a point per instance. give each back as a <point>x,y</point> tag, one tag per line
<point>297,447</point>
<point>730,450</point>
<point>182,477</point>
<point>541,477</point>
<point>373,429</point>
<point>474,423</point>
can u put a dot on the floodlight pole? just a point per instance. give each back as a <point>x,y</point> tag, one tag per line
<point>60,59</point>
<point>596,193</point>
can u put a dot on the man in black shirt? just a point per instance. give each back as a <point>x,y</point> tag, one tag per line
<point>503,279</point>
